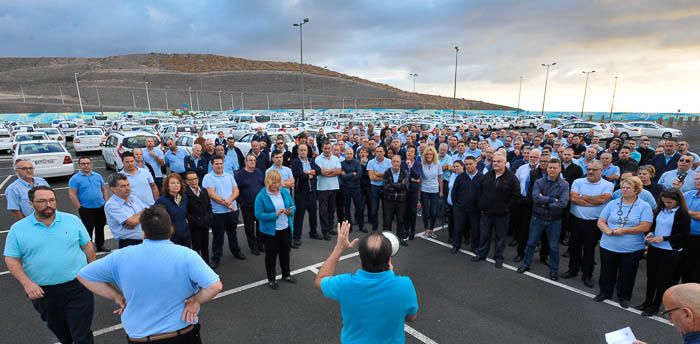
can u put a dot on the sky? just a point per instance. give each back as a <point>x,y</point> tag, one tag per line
<point>652,47</point>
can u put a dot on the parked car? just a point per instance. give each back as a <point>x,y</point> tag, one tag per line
<point>50,158</point>
<point>118,143</point>
<point>22,128</point>
<point>99,120</point>
<point>5,140</point>
<point>53,134</point>
<point>68,128</point>
<point>653,129</point>
<point>244,143</point>
<point>185,142</point>
<point>625,130</point>
<point>173,132</point>
<point>602,130</point>
<point>88,140</point>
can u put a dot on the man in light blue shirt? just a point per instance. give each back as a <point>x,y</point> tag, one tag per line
<point>223,192</point>
<point>493,140</point>
<point>284,171</point>
<point>142,183</point>
<point>122,211</point>
<point>44,252</point>
<point>473,150</point>
<point>609,172</point>
<point>88,192</point>
<point>374,302</point>
<point>588,156</point>
<point>682,177</point>
<point>154,301</point>
<point>229,164</point>
<point>375,169</point>
<point>327,186</point>
<point>17,200</point>
<point>175,158</point>
<point>153,156</point>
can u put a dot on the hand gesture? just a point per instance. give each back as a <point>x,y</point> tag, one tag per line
<point>121,302</point>
<point>191,310</point>
<point>33,290</point>
<point>280,211</point>
<point>677,184</point>
<point>288,211</point>
<point>343,236</point>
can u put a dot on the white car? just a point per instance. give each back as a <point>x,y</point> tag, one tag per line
<point>50,158</point>
<point>53,134</point>
<point>118,143</point>
<point>185,142</point>
<point>653,129</point>
<point>99,120</point>
<point>5,140</point>
<point>602,130</point>
<point>245,142</point>
<point>625,130</point>
<point>30,136</point>
<point>68,128</point>
<point>22,128</point>
<point>173,132</point>
<point>88,140</point>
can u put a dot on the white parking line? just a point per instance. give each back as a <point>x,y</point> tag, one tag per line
<point>555,283</point>
<point>2,185</point>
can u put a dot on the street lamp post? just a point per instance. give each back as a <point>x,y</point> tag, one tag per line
<point>414,75</point>
<point>61,92</point>
<point>82,112</point>
<point>585,89</point>
<point>241,100</point>
<point>133,98</point>
<point>167,106</point>
<point>221,105</point>
<point>546,80</point>
<point>520,89</point>
<point>612,103</point>
<point>190,91</point>
<point>301,65</point>
<point>148,98</point>
<point>454,94</point>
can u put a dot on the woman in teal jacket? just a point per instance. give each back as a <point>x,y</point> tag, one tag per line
<point>274,209</point>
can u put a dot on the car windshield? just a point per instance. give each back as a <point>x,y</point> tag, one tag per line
<point>138,141</point>
<point>89,132</point>
<point>29,137</point>
<point>40,148</point>
<point>185,129</point>
<point>50,131</point>
<point>262,118</point>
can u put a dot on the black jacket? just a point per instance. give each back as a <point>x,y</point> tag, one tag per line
<point>353,174</point>
<point>200,167</point>
<point>627,166</point>
<point>660,165</point>
<point>571,173</point>
<point>286,158</point>
<point>465,193</point>
<point>302,183</point>
<point>496,195</point>
<point>647,155</point>
<point>239,155</point>
<point>262,161</point>
<point>680,230</point>
<point>395,191</point>
<point>198,208</point>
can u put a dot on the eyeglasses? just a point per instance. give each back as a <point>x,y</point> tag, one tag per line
<point>685,160</point>
<point>44,201</point>
<point>667,314</point>
<point>192,179</point>
<point>25,168</point>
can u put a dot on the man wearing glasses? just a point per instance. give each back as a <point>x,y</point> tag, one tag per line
<point>286,155</point>
<point>682,177</point>
<point>44,252</point>
<point>682,306</point>
<point>88,193</point>
<point>17,198</point>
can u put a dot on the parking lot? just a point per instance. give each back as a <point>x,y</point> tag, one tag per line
<point>460,301</point>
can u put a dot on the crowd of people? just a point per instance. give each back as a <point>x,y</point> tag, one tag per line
<point>544,191</point>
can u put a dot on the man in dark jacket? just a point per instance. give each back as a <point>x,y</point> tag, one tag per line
<point>197,163</point>
<point>535,174</point>
<point>570,171</point>
<point>465,207</point>
<point>305,172</point>
<point>667,161</point>
<point>250,180</point>
<point>262,157</point>
<point>350,179</point>
<point>624,162</point>
<point>499,189</point>
<point>286,155</point>
<point>261,136</point>
<point>199,214</point>
<point>550,196</point>
<point>646,153</point>
<point>234,153</point>
<point>395,187</point>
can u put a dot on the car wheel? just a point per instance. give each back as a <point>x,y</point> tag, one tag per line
<point>666,135</point>
<point>624,136</point>
<point>532,125</point>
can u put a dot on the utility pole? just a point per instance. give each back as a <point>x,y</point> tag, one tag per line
<point>414,75</point>
<point>519,92</point>
<point>268,102</point>
<point>613,98</point>
<point>133,97</point>
<point>301,64</point>
<point>585,89</point>
<point>190,91</point>
<point>232,107</point>
<point>167,106</point>
<point>546,80</point>
<point>242,101</point>
<point>454,94</point>
<point>221,105</point>
<point>61,92</point>
<point>77,86</point>
<point>24,100</point>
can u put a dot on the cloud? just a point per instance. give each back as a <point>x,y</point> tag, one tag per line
<point>651,46</point>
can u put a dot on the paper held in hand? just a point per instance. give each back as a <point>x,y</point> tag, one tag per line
<point>621,336</point>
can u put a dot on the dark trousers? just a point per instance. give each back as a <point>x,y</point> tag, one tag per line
<point>278,244</point>
<point>326,208</point>
<point>411,211</point>
<point>662,266</point>
<point>466,222</point>
<point>584,237</point>
<point>450,224</point>
<point>94,220</point>
<point>182,239</point>
<point>365,199</point>
<point>252,228</point>
<point>498,224</point>
<point>376,193</point>
<point>340,205</point>
<point>520,219</point>
<point>67,309</point>
<point>690,260</point>
<point>354,196</point>
<point>431,206</point>
<point>305,203</point>
<point>565,223</point>
<point>618,271</point>
<point>220,224</point>
<point>159,182</point>
<point>192,337</point>
<point>200,240</point>
<point>394,209</point>
<point>129,242</point>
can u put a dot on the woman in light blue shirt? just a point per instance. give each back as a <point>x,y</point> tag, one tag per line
<point>430,190</point>
<point>457,169</point>
<point>624,222</point>
<point>670,230</point>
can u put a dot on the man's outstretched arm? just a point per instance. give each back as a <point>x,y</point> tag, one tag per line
<point>342,243</point>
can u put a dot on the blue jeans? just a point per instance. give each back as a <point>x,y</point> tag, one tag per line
<point>431,203</point>
<point>553,230</point>
<point>376,193</point>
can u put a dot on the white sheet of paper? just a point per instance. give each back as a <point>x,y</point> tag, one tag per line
<point>621,336</point>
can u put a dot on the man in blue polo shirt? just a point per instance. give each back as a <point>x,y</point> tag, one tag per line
<point>374,302</point>
<point>142,183</point>
<point>284,171</point>
<point>44,252</point>
<point>156,305</point>
<point>88,193</point>
<point>375,169</point>
<point>153,156</point>
<point>223,192</point>
<point>175,158</point>
<point>327,186</point>
<point>123,211</point>
<point>17,199</point>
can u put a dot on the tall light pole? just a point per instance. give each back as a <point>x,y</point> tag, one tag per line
<point>82,112</point>
<point>221,105</point>
<point>301,58</point>
<point>61,92</point>
<point>414,75</point>
<point>585,89</point>
<point>546,80</point>
<point>520,89</point>
<point>612,103</point>
<point>167,106</point>
<point>190,91</point>
<point>454,94</point>
<point>148,99</point>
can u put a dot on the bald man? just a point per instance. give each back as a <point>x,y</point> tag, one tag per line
<point>682,305</point>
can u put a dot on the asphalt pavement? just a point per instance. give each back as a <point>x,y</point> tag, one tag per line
<point>460,301</point>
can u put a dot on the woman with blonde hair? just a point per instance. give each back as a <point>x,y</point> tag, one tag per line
<point>274,209</point>
<point>431,189</point>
